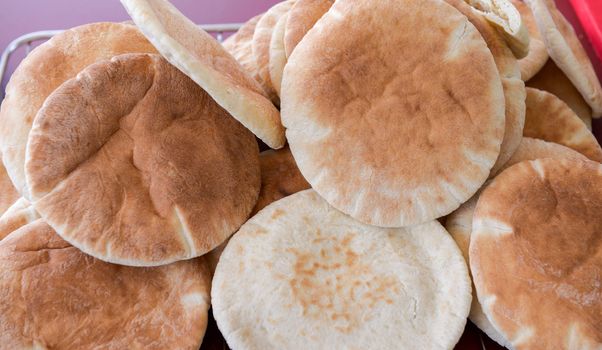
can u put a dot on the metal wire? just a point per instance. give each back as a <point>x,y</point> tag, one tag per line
<point>29,39</point>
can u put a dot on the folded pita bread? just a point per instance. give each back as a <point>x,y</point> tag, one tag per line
<point>44,69</point>
<point>8,192</point>
<point>133,163</point>
<point>550,119</point>
<point>369,116</point>
<point>551,79</point>
<point>567,52</point>
<point>538,54</point>
<point>240,45</point>
<point>204,60</point>
<point>18,215</point>
<point>503,15</point>
<point>54,296</point>
<point>536,252</point>
<point>316,278</point>
<point>261,44</point>
<point>302,17</point>
<point>459,223</point>
<point>277,55</point>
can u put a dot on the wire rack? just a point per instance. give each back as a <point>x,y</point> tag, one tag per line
<point>28,41</point>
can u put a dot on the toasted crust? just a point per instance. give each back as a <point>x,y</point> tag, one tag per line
<point>338,92</point>
<point>44,69</point>
<point>459,223</point>
<point>535,253</point>
<point>261,44</point>
<point>316,278</point>
<point>110,166</point>
<point>205,61</point>
<point>550,119</point>
<point>538,54</point>
<point>509,71</point>
<point>508,20</point>
<point>567,52</point>
<point>54,296</point>
<point>302,17</point>
<point>277,54</point>
<point>240,45</point>
<point>551,79</point>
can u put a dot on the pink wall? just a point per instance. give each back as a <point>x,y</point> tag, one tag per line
<point>18,17</point>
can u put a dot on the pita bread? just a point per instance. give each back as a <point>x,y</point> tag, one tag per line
<point>550,119</point>
<point>44,69</point>
<point>316,278</point>
<point>535,254</point>
<point>133,163</point>
<point>277,54</point>
<point>538,54</point>
<point>503,15</point>
<point>280,178</point>
<point>459,223</point>
<point>205,61</point>
<point>240,45</point>
<point>567,52</point>
<point>261,44</point>
<point>18,215</point>
<point>340,89</point>
<point>302,17</point>
<point>9,192</point>
<point>54,296</point>
<point>509,71</point>
<point>551,79</point>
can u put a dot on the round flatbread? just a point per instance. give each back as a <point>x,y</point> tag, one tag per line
<point>551,79</point>
<point>277,54</point>
<point>240,45</point>
<point>567,52</point>
<point>54,296</point>
<point>503,15</point>
<point>135,164</point>
<point>261,44</point>
<point>8,192</point>
<point>459,223</point>
<point>302,17</point>
<point>550,119</point>
<point>18,215</point>
<point>44,69</point>
<point>204,60</point>
<point>536,254</point>
<point>316,278</point>
<point>352,96</point>
<point>538,54</point>
<point>509,71</point>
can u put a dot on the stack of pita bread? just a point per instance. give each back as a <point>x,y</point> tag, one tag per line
<point>431,161</point>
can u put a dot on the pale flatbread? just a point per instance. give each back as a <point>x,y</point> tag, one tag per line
<point>509,71</point>
<point>44,69</point>
<point>8,192</point>
<point>54,296</point>
<point>567,52</point>
<point>503,15</point>
<point>240,45</point>
<point>18,215</point>
<point>536,252</point>
<point>459,223</point>
<point>261,44</point>
<point>135,164</point>
<point>551,79</point>
<point>302,17</point>
<point>314,278</point>
<point>550,119</point>
<point>369,116</point>
<point>277,54</point>
<point>204,60</point>
<point>538,54</point>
